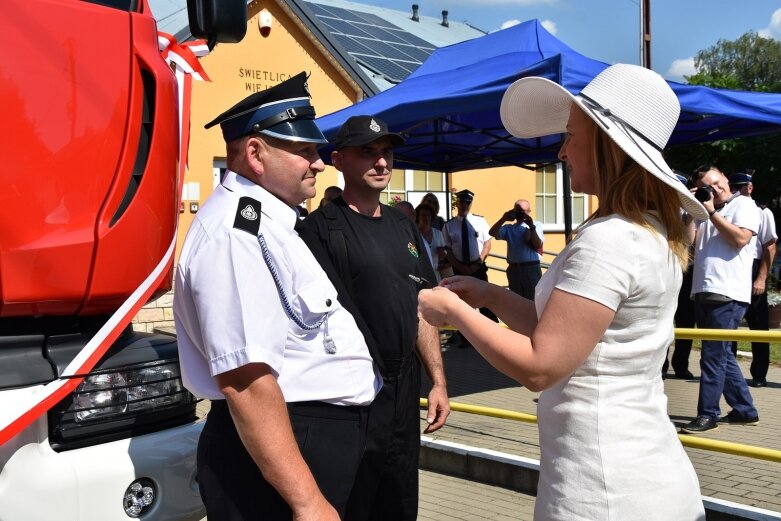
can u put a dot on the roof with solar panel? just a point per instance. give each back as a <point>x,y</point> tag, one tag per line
<point>378,47</point>
<point>387,44</point>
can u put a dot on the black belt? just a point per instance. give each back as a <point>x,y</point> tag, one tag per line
<point>527,263</point>
<point>311,408</point>
<point>327,410</point>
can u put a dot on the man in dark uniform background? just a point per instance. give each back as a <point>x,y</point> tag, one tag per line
<point>263,333</point>
<point>379,255</point>
<point>468,244</point>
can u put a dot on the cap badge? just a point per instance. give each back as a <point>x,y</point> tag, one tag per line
<point>249,213</point>
<point>306,89</point>
<point>412,249</point>
<point>374,126</point>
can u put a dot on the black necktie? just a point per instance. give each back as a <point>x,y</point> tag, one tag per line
<point>466,257</point>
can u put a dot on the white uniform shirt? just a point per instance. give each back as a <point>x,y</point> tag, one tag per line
<point>718,266</point>
<point>767,230</point>
<point>228,311</point>
<point>478,235</point>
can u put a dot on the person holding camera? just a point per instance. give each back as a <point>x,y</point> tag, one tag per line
<point>721,289</point>
<point>524,245</point>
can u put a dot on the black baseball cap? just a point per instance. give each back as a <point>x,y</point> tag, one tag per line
<point>282,111</point>
<point>361,130</point>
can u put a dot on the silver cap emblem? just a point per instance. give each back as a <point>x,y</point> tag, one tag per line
<point>374,126</point>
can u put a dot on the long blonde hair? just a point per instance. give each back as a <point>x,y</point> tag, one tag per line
<point>627,189</point>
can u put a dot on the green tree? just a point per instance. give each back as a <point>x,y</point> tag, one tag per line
<point>751,63</point>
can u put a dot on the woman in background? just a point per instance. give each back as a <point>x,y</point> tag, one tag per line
<point>435,243</point>
<point>432,200</point>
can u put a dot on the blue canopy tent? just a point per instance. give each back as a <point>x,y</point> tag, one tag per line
<point>448,109</point>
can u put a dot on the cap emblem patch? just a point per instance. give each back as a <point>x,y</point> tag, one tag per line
<point>412,249</point>
<point>374,126</point>
<point>249,213</point>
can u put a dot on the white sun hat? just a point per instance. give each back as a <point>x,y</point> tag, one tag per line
<point>633,105</point>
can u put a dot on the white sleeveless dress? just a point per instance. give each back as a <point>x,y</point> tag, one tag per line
<point>608,449</point>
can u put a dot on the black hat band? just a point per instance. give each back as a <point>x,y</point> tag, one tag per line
<point>291,113</point>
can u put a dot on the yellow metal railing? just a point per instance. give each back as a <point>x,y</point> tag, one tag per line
<point>694,442</point>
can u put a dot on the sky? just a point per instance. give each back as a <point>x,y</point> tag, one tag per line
<point>609,30</point>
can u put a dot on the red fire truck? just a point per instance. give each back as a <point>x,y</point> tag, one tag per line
<point>89,140</point>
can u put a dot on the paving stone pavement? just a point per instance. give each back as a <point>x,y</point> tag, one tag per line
<point>445,498</point>
<point>743,480</point>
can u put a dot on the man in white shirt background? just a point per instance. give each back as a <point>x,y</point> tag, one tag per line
<point>721,288</point>
<point>765,252</point>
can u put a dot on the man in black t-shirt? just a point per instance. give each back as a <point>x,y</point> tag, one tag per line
<point>382,261</point>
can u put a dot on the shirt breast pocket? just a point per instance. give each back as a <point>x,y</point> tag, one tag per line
<point>314,302</point>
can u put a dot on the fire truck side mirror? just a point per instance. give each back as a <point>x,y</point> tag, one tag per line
<point>222,21</point>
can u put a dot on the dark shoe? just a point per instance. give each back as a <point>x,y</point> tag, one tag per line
<point>700,424</point>
<point>758,383</point>
<point>737,419</point>
<point>684,375</point>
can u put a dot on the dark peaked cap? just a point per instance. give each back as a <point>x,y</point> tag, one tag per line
<point>466,196</point>
<point>282,111</point>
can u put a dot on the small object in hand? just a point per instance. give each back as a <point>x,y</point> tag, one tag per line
<point>425,284</point>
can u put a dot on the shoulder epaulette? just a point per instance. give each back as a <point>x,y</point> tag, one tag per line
<point>248,215</point>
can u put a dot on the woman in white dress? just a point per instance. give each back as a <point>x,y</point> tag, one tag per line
<point>599,329</point>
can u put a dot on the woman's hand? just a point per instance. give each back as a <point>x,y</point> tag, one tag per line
<point>434,305</point>
<point>473,291</point>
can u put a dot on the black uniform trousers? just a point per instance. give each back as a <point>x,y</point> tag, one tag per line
<point>758,320</point>
<point>684,317</point>
<point>386,487</point>
<point>331,439</point>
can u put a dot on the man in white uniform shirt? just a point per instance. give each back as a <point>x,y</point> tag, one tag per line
<point>468,244</point>
<point>757,313</point>
<point>721,288</point>
<point>263,332</point>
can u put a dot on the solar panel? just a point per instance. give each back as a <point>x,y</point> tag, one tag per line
<point>374,42</point>
<point>318,9</point>
<point>345,27</point>
<point>411,38</point>
<point>354,46</point>
<point>386,36</point>
<point>385,50</point>
<point>375,20</point>
<point>413,53</point>
<point>385,67</point>
<point>344,14</point>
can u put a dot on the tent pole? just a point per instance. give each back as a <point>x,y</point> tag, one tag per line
<point>567,203</point>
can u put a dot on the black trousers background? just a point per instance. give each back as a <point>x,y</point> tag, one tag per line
<point>758,320</point>
<point>386,487</point>
<point>331,439</point>
<point>684,317</point>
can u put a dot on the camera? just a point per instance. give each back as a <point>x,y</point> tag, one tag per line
<point>704,193</point>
